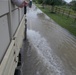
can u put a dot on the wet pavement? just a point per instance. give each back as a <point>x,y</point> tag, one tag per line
<point>59,47</point>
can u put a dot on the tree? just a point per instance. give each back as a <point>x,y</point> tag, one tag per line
<point>43,3</point>
<point>63,2</point>
<point>73,5</point>
<point>51,2</point>
<point>55,2</point>
<point>40,1</point>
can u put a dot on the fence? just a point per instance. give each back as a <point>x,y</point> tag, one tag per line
<point>63,11</point>
<point>68,13</point>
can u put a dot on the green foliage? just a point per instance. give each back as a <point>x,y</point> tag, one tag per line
<point>73,4</point>
<point>63,2</point>
<point>48,2</point>
<point>51,2</point>
<point>40,1</point>
<point>55,2</point>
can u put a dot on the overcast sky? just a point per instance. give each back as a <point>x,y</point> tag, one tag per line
<point>68,1</point>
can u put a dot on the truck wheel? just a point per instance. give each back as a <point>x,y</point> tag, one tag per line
<point>17,72</point>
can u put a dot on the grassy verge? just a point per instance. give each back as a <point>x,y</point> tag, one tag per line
<point>62,20</point>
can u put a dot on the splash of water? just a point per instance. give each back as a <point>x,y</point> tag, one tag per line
<point>50,59</point>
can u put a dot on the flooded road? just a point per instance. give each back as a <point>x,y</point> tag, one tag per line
<point>51,49</point>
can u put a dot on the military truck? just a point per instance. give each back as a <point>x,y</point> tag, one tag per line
<point>12,27</point>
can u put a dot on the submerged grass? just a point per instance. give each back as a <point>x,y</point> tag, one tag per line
<point>62,20</point>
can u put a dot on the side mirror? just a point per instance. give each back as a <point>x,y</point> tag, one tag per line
<point>30,3</point>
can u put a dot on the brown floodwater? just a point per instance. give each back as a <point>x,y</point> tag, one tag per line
<point>51,49</point>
